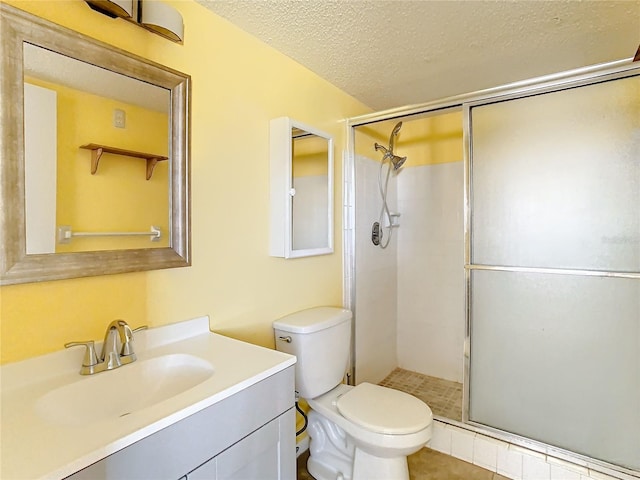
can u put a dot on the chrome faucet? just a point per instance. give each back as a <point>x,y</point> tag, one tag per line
<point>117,349</point>
<point>111,355</point>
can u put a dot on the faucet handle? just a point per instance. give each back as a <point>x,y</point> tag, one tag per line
<point>127,347</point>
<point>90,358</point>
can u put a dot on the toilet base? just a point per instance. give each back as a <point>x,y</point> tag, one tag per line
<point>331,452</point>
<point>333,456</point>
<point>366,466</point>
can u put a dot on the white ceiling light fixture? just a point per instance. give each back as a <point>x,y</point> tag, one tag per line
<point>160,18</point>
<point>152,15</point>
<point>113,8</point>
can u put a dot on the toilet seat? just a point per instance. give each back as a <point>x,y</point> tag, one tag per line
<point>382,445</point>
<point>384,410</point>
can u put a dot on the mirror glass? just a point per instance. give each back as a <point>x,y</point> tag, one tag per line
<point>310,197</point>
<point>95,156</point>
<point>69,104</point>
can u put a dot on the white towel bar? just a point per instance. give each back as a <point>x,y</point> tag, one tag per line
<point>65,234</point>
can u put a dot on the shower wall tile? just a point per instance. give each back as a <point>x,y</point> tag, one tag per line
<point>441,438</point>
<point>603,476</point>
<point>423,313</point>
<point>376,280</point>
<point>556,462</point>
<point>559,473</point>
<point>462,444</point>
<point>431,270</point>
<point>534,468</point>
<point>485,454</point>
<point>510,463</point>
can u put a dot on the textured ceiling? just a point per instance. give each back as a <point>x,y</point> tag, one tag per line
<point>390,53</point>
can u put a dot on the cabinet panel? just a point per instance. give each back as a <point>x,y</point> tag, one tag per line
<point>255,456</point>
<point>208,471</point>
<point>267,454</point>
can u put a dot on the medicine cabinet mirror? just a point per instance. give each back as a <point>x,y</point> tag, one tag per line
<point>95,156</point>
<point>301,190</point>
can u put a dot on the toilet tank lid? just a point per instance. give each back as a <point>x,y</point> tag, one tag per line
<point>312,319</point>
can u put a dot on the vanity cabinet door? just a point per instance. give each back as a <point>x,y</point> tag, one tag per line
<point>253,457</point>
<point>266,454</point>
<point>207,471</point>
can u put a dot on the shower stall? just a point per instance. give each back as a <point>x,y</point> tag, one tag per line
<point>411,292</point>
<point>508,295</point>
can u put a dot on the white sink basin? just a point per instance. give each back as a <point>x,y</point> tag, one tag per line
<point>120,392</point>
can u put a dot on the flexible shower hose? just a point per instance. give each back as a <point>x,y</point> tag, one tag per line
<point>384,211</point>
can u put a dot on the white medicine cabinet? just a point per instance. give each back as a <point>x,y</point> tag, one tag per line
<point>301,164</point>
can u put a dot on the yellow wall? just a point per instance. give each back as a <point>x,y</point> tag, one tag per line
<point>427,140</point>
<point>239,84</point>
<point>432,140</point>
<point>366,136</point>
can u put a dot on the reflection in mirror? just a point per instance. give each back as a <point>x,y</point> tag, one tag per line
<point>68,104</point>
<point>107,155</point>
<point>310,180</point>
<point>301,190</point>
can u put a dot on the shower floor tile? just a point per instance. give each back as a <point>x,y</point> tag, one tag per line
<point>444,397</point>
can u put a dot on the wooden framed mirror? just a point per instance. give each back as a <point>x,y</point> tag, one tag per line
<point>38,52</point>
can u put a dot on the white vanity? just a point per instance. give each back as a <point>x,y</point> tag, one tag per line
<point>194,405</point>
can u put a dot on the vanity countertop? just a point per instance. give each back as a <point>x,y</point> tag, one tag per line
<point>36,446</point>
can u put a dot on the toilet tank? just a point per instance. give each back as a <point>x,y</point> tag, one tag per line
<point>320,338</point>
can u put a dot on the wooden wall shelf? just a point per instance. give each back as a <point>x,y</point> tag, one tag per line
<point>97,151</point>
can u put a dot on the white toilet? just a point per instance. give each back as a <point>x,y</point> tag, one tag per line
<point>357,433</point>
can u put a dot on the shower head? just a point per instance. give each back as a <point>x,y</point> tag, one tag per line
<point>394,134</point>
<point>397,161</point>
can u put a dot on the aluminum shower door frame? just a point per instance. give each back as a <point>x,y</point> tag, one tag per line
<point>539,85</point>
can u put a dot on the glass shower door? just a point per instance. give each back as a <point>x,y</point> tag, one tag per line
<point>555,269</point>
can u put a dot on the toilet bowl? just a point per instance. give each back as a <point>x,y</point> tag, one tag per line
<point>357,433</point>
<point>365,432</point>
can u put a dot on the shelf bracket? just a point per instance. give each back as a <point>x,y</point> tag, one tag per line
<point>151,164</point>
<point>95,159</point>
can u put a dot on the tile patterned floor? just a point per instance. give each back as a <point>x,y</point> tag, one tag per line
<point>444,397</point>
<point>427,464</point>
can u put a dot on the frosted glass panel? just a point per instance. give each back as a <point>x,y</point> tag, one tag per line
<point>556,179</point>
<point>556,358</point>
